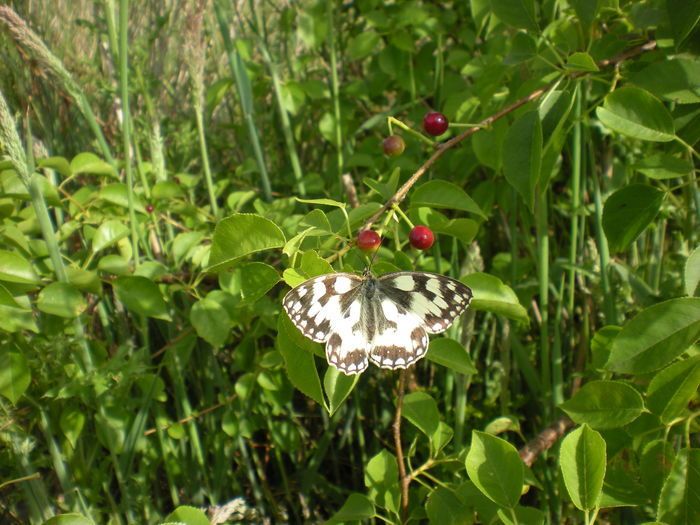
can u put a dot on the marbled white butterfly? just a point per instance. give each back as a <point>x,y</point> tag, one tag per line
<point>385,320</point>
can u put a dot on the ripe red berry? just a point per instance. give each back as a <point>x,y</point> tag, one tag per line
<point>368,240</point>
<point>435,123</point>
<point>421,237</point>
<point>149,208</point>
<point>393,145</point>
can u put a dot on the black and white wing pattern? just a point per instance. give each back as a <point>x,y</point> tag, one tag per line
<point>385,320</point>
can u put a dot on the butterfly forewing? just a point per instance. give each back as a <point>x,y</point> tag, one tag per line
<point>437,300</point>
<point>385,320</point>
<point>315,304</point>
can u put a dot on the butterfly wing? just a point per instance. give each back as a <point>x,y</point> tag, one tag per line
<point>435,299</point>
<point>315,304</point>
<point>400,339</point>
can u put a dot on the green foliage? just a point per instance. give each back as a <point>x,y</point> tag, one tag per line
<point>147,368</point>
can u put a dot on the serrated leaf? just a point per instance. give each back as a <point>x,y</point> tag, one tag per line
<point>582,462</point>
<point>141,296</point>
<point>61,299</point>
<point>638,114</point>
<point>656,336</point>
<point>242,234</point>
<point>14,374</point>
<point>604,404</point>
<point>495,468</point>
<point>448,352</point>
<point>628,212</point>
<point>491,295</point>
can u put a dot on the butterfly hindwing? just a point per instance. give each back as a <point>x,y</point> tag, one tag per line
<point>401,340</point>
<point>315,304</point>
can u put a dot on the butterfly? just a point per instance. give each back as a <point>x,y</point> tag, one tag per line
<point>385,320</point>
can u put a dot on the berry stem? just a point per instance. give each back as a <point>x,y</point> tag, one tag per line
<point>398,210</point>
<point>409,130</point>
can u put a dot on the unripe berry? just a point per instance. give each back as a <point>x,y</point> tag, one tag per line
<point>435,123</point>
<point>393,145</point>
<point>368,240</point>
<point>421,237</point>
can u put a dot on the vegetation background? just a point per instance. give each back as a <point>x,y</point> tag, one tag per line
<point>170,168</point>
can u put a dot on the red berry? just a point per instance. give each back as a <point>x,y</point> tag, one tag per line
<point>421,237</point>
<point>393,145</point>
<point>149,208</point>
<point>435,123</point>
<point>368,240</point>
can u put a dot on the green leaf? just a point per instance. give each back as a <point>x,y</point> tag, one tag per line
<point>363,45</point>
<point>382,480</point>
<point>448,352</point>
<point>522,155</point>
<point>90,163</point>
<point>656,336</point>
<point>580,61</point>
<point>166,190</point>
<point>445,508</point>
<point>14,374</point>
<point>604,404</point>
<point>299,363</point>
<point>71,518</point>
<point>679,502</point>
<point>638,114</point>
<point>627,212</point>
<point>444,195</point>
<point>654,466</point>
<point>357,507</point>
<point>524,516</point>
<point>211,321</point>
<point>141,296</point>
<point>671,389</point>
<point>662,166</point>
<point>516,13</point>
<point>16,269</point>
<point>108,234</point>
<point>13,319</point>
<point>61,299</point>
<point>463,229</point>
<point>683,16</point>
<point>58,164</point>
<point>491,295</point>
<point>242,234</point>
<point>582,463</point>
<point>338,387</point>
<point>495,468</point>
<point>72,421</point>
<point>586,11</point>
<point>118,194</point>
<point>676,79</point>
<point>256,280</point>
<point>421,410</point>
<point>188,516</point>
<point>692,272</point>
<point>313,265</point>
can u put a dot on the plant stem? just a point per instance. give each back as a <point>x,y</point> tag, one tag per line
<point>335,89</point>
<point>543,278</point>
<point>126,122</point>
<point>575,199</point>
<point>604,254</point>
<point>404,480</point>
<point>199,116</point>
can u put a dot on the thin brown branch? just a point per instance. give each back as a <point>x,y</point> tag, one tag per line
<point>545,440</point>
<point>350,190</point>
<point>404,479</point>
<point>401,193</point>
<point>193,416</point>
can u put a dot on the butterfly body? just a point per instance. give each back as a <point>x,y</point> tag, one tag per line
<point>383,319</point>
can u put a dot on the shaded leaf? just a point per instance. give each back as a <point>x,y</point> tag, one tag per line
<point>357,507</point>
<point>627,213</point>
<point>14,374</point>
<point>672,388</point>
<point>141,296</point>
<point>61,299</point>
<point>679,502</point>
<point>448,352</point>
<point>604,404</point>
<point>522,155</point>
<point>422,411</point>
<point>444,195</point>
<point>338,387</point>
